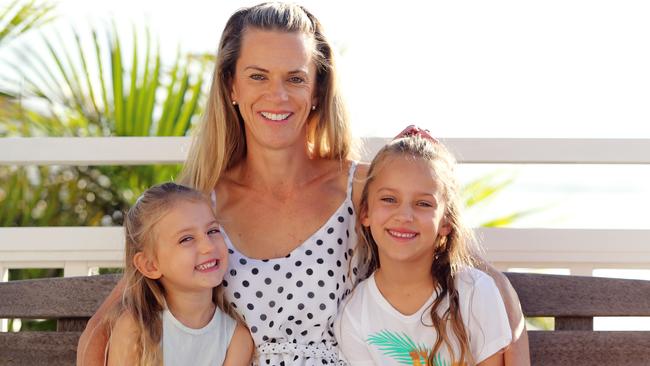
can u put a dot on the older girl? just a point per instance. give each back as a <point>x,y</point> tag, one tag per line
<point>424,303</point>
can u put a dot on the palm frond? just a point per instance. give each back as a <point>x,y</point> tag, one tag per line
<point>17,19</point>
<point>118,81</point>
<point>485,187</point>
<point>94,89</point>
<point>133,94</point>
<point>399,347</point>
<point>511,218</point>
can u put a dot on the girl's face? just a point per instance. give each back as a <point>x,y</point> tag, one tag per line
<point>274,86</point>
<point>190,253</point>
<point>405,211</point>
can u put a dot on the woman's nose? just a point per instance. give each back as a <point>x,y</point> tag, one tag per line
<point>277,91</point>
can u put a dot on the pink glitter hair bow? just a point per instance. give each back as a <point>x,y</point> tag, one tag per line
<point>413,130</point>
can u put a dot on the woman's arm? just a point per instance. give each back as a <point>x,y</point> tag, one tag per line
<point>517,352</point>
<point>494,360</point>
<point>92,344</point>
<point>240,350</point>
<point>122,343</point>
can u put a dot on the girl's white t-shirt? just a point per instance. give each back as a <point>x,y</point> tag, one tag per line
<point>182,345</point>
<point>370,331</point>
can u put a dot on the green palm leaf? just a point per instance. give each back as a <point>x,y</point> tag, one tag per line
<point>485,187</point>
<point>17,19</point>
<point>395,345</point>
<point>91,88</point>
<point>481,190</point>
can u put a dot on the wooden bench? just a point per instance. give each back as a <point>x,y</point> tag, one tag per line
<point>572,300</point>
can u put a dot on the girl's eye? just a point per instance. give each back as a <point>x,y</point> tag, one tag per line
<point>185,240</point>
<point>424,204</point>
<point>257,77</point>
<point>213,231</point>
<point>388,199</point>
<point>296,80</point>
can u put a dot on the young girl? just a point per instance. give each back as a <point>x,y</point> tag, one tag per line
<point>172,310</point>
<point>423,303</point>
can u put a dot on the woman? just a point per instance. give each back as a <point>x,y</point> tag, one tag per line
<point>274,150</point>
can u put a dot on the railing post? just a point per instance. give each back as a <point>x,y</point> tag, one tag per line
<point>75,269</point>
<point>4,277</point>
<point>578,269</point>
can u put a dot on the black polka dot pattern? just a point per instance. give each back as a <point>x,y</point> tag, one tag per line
<point>290,302</point>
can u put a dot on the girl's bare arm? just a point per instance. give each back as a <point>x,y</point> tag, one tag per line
<point>92,344</point>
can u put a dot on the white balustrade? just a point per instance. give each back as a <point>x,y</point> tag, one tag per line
<point>78,250</point>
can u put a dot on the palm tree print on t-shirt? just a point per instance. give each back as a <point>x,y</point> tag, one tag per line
<point>404,350</point>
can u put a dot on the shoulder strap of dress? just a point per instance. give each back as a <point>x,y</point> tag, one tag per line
<point>353,168</point>
<point>213,199</point>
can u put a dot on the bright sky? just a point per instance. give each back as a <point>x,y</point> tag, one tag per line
<point>554,68</point>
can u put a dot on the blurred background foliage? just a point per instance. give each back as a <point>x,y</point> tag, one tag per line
<point>87,83</point>
<point>80,83</point>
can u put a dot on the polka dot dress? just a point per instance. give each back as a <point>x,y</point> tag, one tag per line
<point>290,303</point>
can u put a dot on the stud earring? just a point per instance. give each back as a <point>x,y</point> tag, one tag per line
<point>234,102</point>
<point>313,108</point>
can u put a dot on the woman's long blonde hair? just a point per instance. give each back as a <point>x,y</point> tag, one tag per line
<point>144,298</point>
<point>219,142</point>
<point>453,251</point>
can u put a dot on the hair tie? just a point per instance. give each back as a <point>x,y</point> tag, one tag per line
<point>413,130</point>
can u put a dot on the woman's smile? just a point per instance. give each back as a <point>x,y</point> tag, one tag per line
<point>276,116</point>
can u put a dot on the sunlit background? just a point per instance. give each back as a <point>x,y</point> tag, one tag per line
<point>555,68</point>
<point>468,69</point>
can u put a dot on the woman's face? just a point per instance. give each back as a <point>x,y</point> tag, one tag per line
<point>274,87</point>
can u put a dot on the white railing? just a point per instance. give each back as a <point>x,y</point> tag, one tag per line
<point>80,249</point>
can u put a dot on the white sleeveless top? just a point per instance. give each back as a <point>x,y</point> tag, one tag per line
<point>289,303</point>
<point>182,345</point>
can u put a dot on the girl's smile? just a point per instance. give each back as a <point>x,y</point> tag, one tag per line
<point>190,251</point>
<point>405,211</point>
<point>209,266</point>
<point>402,234</point>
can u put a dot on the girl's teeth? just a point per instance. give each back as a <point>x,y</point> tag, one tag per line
<point>275,116</point>
<point>402,235</point>
<point>204,266</point>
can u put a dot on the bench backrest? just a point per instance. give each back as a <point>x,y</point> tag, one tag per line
<point>572,300</point>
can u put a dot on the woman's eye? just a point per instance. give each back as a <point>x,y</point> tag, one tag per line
<point>213,231</point>
<point>296,80</point>
<point>257,77</point>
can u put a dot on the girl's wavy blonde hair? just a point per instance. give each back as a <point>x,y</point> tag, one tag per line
<point>219,142</point>
<point>453,251</point>
<point>144,298</point>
